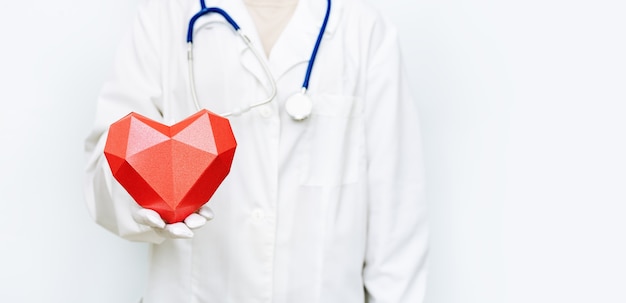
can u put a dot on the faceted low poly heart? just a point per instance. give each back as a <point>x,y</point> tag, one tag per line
<point>173,170</point>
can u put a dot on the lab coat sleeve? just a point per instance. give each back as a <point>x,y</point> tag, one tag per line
<point>134,86</point>
<point>396,252</point>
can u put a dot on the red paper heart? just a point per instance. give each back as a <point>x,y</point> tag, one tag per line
<point>174,169</point>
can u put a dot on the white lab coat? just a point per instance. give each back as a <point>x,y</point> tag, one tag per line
<point>327,210</point>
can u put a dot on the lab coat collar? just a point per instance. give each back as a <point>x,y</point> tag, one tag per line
<point>297,41</point>
<point>237,10</point>
<point>295,44</point>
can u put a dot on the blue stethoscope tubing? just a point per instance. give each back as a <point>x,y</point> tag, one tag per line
<point>305,85</point>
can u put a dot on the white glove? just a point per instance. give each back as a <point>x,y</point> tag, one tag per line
<point>180,230</point>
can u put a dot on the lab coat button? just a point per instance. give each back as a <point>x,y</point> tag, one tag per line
<point>257,215</point>
<point>265,111</point>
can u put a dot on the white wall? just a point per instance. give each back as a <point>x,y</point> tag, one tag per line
<point>522,104</point>
<point>524,115</point>
<point>53,60</point>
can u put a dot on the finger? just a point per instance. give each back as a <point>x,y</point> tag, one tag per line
<point>194,221</point>
<point>178,230</point>
<point>206,212</point>
<point>148,217</point>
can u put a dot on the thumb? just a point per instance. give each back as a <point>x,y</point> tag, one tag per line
<point>148,217</point>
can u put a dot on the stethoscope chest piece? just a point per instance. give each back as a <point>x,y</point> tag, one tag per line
<point>299,106</point>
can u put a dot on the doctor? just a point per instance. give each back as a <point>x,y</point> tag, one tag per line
<point>329,209</point>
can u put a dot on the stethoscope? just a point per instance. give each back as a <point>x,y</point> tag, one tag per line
<point>298,106</point>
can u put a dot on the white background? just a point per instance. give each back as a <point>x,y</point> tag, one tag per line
<point>523,109</point>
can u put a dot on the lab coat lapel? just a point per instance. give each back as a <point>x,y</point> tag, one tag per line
<point>237,10</point>
<point>296,43</point>
<point>249,61</point>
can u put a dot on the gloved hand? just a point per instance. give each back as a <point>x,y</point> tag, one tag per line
<point>180,230</point>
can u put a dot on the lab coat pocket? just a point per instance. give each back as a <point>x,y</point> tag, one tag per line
<point>335,141</point>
